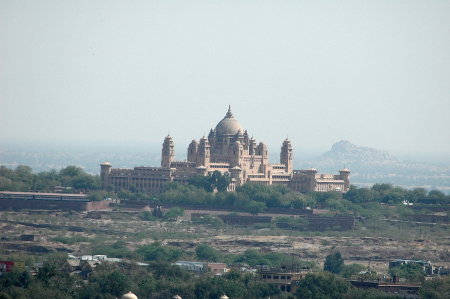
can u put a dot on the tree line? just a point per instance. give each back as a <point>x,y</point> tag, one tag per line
<point>211,190</point>
<point>163,280</point>
<point>23,179</point>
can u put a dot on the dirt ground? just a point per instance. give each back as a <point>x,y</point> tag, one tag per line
<point>375,252</point>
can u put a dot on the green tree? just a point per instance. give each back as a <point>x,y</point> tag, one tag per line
<point>255,207</point>
<point>220,181</point>
<point>205,252</point>
<point>436,194</point>
<point>157,252</point>
<point>86,181</point>
<point>4,295</point>
<point>71,171</point>
<point>171,186</point>
<point>324,285</point>
<point>352,269</point>
<point>436,288</point>
<point>420,192</point>
<point>147,216</point>
<point>97,195</point>
<point>215,287</point>
<point>214,180</point>
<point>411,272</point>
<point>16,277</point>
<point>360,195</point>
<point>173,213</point>
<point>334,263</point>
<point>114,283</point>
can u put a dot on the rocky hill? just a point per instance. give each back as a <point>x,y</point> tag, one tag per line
<point>369,166</point>
<point>346,152</point>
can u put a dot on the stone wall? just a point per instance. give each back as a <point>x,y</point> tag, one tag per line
<point>20,204</point>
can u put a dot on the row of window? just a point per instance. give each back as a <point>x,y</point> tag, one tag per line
<point>276,277</point>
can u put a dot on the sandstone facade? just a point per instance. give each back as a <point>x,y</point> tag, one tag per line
<point>229,149</point>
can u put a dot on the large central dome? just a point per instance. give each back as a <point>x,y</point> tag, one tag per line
<point>228,125</point>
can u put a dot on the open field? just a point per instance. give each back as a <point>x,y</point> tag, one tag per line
<point>372,242</point>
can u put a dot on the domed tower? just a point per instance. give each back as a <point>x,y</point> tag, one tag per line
<point>345,175</point>
<point>228,125</point>
<point>286,155</point>
<point>168,152</point>
<point>105,170</point>
<point>192,151</point>
<point>203,154</point>
<point>226,132</point>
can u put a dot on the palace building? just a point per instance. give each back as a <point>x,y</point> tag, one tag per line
<point>229,149</point>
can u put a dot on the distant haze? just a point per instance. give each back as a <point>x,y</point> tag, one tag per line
<point>103,74</point>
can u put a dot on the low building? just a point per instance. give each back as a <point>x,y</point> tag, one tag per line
<point>217,268</point>
<point>192,266</point>
<point>214,268</point>
<point>70,265</point>
<point>285,280</point>
<point>43,196</point>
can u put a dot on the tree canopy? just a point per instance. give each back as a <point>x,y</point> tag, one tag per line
<point>23,179</point>
<point>334,263</point>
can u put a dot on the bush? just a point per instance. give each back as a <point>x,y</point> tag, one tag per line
<point>173,213</point>
<point>147,216</point>
<point>157,252</point>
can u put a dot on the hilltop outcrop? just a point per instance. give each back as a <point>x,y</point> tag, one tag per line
<point>369,166</point>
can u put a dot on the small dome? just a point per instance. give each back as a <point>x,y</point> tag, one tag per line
<point>224,296</point>
<point>228,125</point>
<point>194,141</point>
<point>262,144</point>
<point>129,295</point>
<point>106,163</point>
<point>312,169</point>
<point>176,297</point>
<point>344,170</point>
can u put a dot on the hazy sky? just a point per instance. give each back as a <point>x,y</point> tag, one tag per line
<point>376,73</point>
